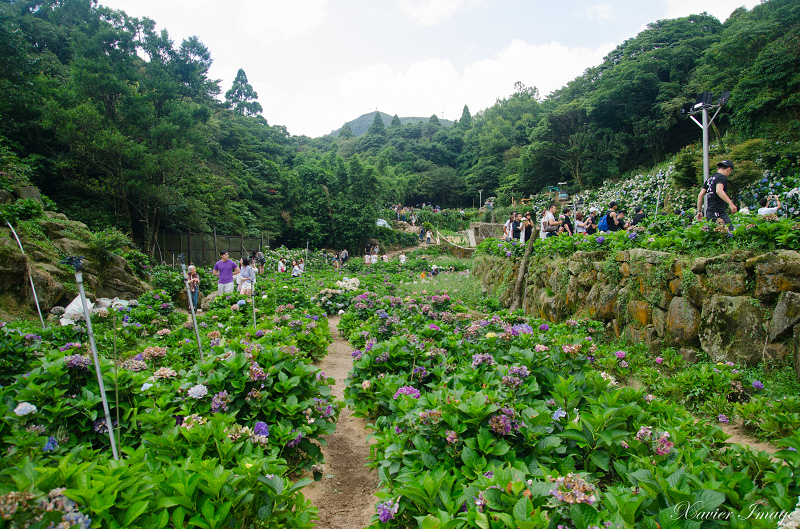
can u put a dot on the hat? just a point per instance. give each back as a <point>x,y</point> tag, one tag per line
<point>593,209</point>
<point>725,163</point>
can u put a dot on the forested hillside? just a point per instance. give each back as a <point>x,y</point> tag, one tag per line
<point>122,127</point>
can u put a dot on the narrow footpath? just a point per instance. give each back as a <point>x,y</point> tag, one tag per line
<point>344,497</point>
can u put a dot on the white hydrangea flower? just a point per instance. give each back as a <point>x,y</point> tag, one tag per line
<point>24,408</point>
<point>198,392</point>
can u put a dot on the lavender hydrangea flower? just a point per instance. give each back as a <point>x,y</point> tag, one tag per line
<point>387,510</point>
<point>723,419</point>
<point>757,384</point>
<point>559,414</point>
<point>600,240</point>
<point>78,362</point>
<point>544,327</point>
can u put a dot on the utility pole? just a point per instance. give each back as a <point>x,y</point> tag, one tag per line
<point>701,106</point>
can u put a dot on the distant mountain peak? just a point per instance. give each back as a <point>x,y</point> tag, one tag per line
<point>360,125</point>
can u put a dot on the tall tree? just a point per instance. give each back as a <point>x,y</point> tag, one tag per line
<point>346,132</point>
<point>241,97</point>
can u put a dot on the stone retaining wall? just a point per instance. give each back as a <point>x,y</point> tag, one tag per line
<point>737,307</point>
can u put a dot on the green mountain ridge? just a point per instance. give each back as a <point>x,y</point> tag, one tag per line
<point>360,125</point>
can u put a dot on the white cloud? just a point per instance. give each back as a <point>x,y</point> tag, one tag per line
<point>430,86</point>
<point>430,12</point>
<point>600,12</point>
<point>271,18</point>
<point>719,8</point>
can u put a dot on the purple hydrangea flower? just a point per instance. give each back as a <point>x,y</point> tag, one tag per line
<point>600,240</point>
<point>387,510</point>
<point>261,428</point>
<point>411,391</point>
<point>757,384</point>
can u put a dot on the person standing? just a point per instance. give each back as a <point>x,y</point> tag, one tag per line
<point>638,216</point>
<point>402,258</point>
<point>295,269</point>
<point>428,235</point>
<point>592,220</point>
<point>224,270</point>
<point>193,278</point>
<point>247,278</point>
<point>549,223</point>
<point>580,224</point>
<point>345,256</point>
<point>281,266</point>
<point>716,188</point>
<point>422,234</point>
<point>528,224</point>
<point>516,227</point>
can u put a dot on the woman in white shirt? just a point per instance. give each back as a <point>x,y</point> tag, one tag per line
<point>247,278</point>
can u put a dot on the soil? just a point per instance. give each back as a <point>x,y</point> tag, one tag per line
<point>344,497</point>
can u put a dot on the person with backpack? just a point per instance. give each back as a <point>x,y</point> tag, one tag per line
<point>609,219</point>
<point>716,188</point>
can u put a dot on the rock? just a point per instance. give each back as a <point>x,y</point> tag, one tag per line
<point>640,312</point>
<point>732,330</point>
<point>205,303</point>
<point>28,192</point>
<point>633,334</point>
<point>116,283</point>
<point>786,315</point>
<point>575,294</point>
<point>729,284</point>
<point>653,291</point>
<point>600,301</point>
<point>682,322</point>
<point>49,290</point>
<point>699,265</point>
<point>587,278</point>
<point>640,254</point>
<point>5,196</point>
<point>776,272</point>
<point>659,321</point>
<point>52,228</point>
<point>55,215</point>
<point>689,354</point>
<point>39,256</point>
<point>796,344</point>
<point>71,247</point>
<point>549,307</point>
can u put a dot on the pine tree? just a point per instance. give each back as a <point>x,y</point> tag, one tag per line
<point>346,132</point>
<point>395,122</point>
<point>466,119</point>
<point>377,126</point>
<point>241,97</point>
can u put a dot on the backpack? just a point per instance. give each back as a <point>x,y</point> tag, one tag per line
<point>603,225</point>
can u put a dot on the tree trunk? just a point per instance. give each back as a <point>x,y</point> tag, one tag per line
<point>523,267</point>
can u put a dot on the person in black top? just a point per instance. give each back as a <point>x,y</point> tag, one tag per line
<point>567,227</point>
<point>591,221</point>
<point>617,222</point>
<point>528,224</point>
<point>638,215</point>
<point>716,188</point>
<point>515,226</point>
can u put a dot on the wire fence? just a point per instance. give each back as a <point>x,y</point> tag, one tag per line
<point>202,249</point>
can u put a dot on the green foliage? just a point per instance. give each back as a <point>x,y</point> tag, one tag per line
<point>106,243</point>
<point>23,209</point>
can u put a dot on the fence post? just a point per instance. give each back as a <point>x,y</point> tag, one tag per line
<point>215,240</point>
<point>189,242</point>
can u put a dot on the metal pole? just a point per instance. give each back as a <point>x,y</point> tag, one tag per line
<point>76,262</point>
<point>33,288</point>
<point>192,308</point>
<point>253,297</point>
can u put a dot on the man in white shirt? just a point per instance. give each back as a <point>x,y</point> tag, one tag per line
<point>764,210</point>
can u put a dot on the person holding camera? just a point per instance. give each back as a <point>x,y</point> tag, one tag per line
<point>764,202</point>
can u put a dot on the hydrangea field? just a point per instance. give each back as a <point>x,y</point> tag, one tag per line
<point>481,418</point>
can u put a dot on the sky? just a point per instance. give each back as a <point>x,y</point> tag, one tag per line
<point>317,64</point>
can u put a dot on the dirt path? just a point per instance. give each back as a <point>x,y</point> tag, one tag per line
<point>345,494</point>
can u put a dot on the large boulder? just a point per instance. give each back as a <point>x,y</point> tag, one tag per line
<point>116,283</point>
<point>786,315</point>
<point>732,329</point>
<point>776,272</point>
<point>28,192</point>
<point>601,300</point>
<point>682,322</point>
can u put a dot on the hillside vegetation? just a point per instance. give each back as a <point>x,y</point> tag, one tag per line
<point>122,127</point>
